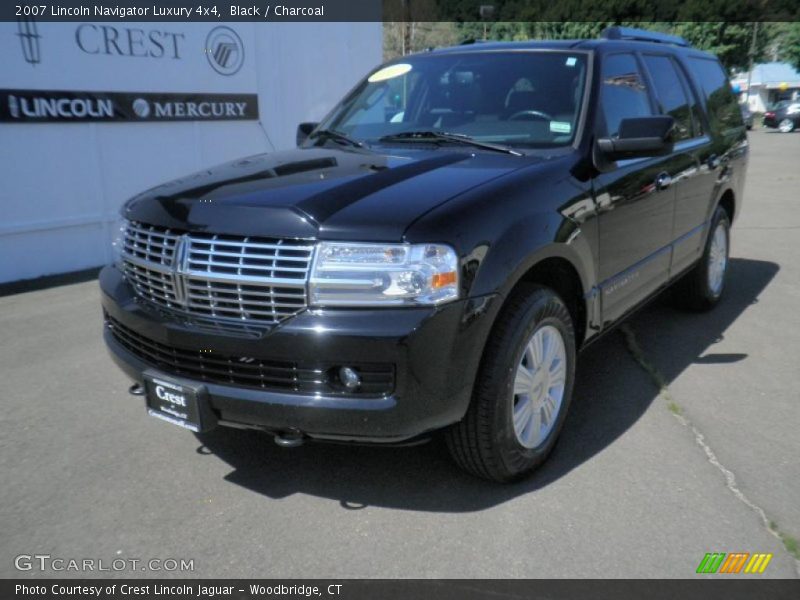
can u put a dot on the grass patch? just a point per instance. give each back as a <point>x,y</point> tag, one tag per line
<point>789,542</point>
<point>658,379</point>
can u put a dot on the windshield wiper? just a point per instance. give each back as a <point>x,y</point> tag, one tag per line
<point>444,136</point>
<point>337,136</point>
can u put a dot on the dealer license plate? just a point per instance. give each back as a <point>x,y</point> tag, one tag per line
<point>176,402</point>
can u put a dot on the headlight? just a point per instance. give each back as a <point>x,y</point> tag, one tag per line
<point>356,274</point>
<point>119,227</point>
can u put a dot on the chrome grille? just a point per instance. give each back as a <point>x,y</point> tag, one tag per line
<point>148,255</point>
<point>150,244</point>
<point>223,277</point>
<point>156,286</point>
<point>243,301</point>
<point>249,257</point>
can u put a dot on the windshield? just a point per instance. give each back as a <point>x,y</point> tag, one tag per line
<point>523,98</point>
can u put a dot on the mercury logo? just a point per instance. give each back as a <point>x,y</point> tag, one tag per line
<point>141,108</point>
<point>224,50</point>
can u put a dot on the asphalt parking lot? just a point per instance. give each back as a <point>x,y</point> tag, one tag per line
<point>683,439</point>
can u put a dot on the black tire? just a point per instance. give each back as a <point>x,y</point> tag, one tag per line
<point>484,442</point>
<point>693,291</point>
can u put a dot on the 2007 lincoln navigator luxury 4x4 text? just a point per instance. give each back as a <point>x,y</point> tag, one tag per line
<point>434,253</point>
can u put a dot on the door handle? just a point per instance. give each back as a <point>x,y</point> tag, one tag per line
<point>663,181</point>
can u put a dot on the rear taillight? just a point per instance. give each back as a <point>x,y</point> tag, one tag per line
<point>769,114</point>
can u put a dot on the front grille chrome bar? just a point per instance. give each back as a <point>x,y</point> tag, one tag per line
<point>218,277</point>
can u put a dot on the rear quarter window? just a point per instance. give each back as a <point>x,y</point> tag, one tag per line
<point>721,104</point>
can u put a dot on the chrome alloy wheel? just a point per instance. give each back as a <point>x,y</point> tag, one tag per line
<point>786,126</point>
<point>717,259</point>
<point>539,386</point>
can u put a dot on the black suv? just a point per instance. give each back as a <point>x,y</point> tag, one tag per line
<point>784,115</point>
<point>436,250</point>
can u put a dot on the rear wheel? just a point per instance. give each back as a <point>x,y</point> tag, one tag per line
<point>523,389</point>
<point>702,287</point>
<point>786,126</point>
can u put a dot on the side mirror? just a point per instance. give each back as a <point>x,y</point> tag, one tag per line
<point>640,137</point>
<point>304,130</point>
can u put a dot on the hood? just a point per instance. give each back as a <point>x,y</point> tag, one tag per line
<point>326,193</point>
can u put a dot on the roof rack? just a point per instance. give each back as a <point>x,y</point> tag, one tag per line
<point>642,35</point>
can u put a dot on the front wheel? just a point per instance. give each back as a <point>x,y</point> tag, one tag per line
<point>523,389</point>
<point>786,126</point>
<point>702,287</point>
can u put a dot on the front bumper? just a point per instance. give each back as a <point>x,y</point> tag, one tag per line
<point>434,352</point>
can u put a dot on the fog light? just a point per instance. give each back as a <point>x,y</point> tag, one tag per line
<point>349,378</point>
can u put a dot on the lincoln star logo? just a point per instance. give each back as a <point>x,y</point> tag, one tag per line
<point>29,38</point>
<point>224,50</point>
<point>181,260</point>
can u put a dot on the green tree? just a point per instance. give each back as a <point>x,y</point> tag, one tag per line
<point>515,20</point>
<point>729,41</point>
<point>417,36</point>
<point>787,43</point>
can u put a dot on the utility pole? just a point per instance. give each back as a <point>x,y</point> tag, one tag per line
<point>406,27</point>
<point>486,12</point>
<point>752,56</point>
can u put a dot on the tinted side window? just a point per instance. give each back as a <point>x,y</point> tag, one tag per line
<point>697,117</point>
<point>671,94</point>
<point>623,94</point>
<point>723,109</point>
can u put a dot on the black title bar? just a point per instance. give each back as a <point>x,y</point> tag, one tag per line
<point>735,588</point>
<point>620,11</point>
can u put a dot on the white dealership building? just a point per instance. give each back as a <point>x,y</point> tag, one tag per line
<point>92,113</point>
